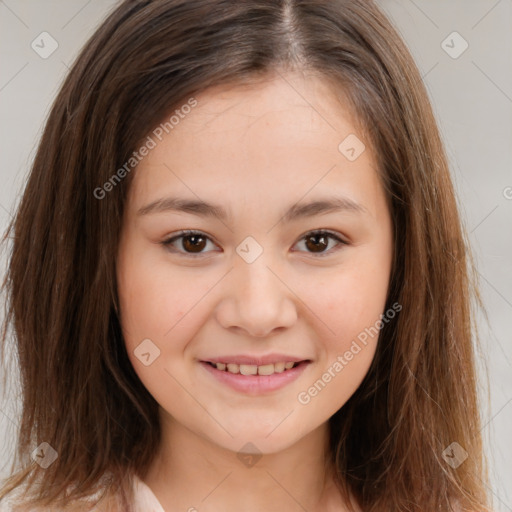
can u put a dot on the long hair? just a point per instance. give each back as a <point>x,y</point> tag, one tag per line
<point>80,392</point>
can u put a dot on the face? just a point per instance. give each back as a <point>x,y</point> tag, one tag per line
<point>288,262</point>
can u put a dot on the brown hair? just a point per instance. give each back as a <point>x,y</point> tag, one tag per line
<point>80,392</point>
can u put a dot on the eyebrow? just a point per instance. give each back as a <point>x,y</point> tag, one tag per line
<point>296,211</point>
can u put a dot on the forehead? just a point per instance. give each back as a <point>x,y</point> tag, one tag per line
<point>271,103</point>
<point>281,134</point>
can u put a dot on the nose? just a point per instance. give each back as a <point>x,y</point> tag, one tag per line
<point>256,300</point>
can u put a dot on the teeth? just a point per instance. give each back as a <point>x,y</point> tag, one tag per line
<point>248,369</point>
<point>267,369</point>
<point>279,367</point>
<point>251,369</point>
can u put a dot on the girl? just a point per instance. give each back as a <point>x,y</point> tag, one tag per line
<point>238,277</point>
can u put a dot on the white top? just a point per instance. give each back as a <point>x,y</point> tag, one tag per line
<point>145,500</point>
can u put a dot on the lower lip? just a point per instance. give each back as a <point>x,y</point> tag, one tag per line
<point>256,384</point>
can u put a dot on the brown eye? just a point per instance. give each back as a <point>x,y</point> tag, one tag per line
<point>317,242</point>
<point>192,243</point>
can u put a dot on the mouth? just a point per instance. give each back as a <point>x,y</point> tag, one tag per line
<point>255,379</point>
<point>253,369</point>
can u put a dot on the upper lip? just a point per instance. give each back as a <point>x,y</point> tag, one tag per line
<point>255,360</point>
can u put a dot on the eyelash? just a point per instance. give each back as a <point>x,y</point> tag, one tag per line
<point>183,234</point>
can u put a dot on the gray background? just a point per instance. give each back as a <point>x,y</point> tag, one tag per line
<point>472,99</point>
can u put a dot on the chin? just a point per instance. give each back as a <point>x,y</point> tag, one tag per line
<point>258,440</point>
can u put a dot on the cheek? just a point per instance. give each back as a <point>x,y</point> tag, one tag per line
<point>164,306</point>
<point>351,305</point>
<point>152,300</point>
<point>349,300</point>
<point>155,323</point>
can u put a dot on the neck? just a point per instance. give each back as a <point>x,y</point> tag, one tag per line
<point>192,473</point>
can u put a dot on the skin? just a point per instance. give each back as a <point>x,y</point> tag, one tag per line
<point>255,150</point>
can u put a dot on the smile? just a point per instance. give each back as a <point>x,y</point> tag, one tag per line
<point>252,369</point>
<point>254,379</point>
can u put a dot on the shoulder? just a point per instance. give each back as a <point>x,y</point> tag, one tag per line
<point>101,499</point>
<point>106,504</point>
